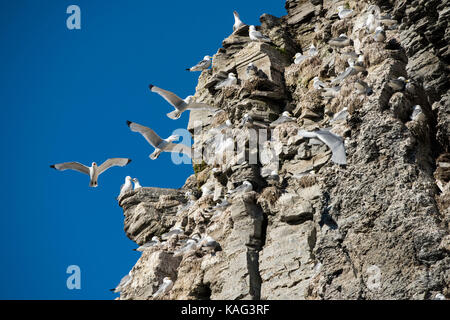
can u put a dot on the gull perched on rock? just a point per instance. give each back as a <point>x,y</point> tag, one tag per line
<point>179,104</point>
<point>331,92</point>
<point>257,36</point>
<point>127,186</point>
<point>160,145</point>
<point>246,186</point>
<point>202,65</point>
<point>363,87</point>
<point>318,84</point>
<point>341,41</point>
<point>164,288</point>
<point>398,84</point>
<point>249,122</point>
<point>237,22</point>
<point>341,115</point>
<point>348,72</point>
<point>298,58</point>
<point>210,243</point>
<point>93,171</point>
<point>380,34</point>
<point>123,283</point>
<point>191,245</point>
<point>152,243</point>
<point>251,70</point>
<point>417,110</point>
<point>344,13</point>
<point>175,230</point>
<point>137,185</point>
<point>358,65</point>
<point>285,117</point>
<point>312,50</point>
<point>230,81</point>
<point>334,142</point>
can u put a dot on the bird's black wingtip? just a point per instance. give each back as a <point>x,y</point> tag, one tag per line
<point>188,69</point>
<point>129,160</point>
<point>150,86</point>
<point>129,122</point>
<point>112,290</point>
<point>52,166</point>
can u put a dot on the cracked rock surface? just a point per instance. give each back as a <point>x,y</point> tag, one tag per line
<point>377,228</point>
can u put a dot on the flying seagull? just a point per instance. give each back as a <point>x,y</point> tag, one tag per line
<point>237,22</point>
<point>137,185</point>
<point>127,186</point>
<point>231,80</point>
<point>122,284</point>
<point>334,142</point>
<point>164,288</point>
<point>179,104</point>
<point>202,65</point>
<point>257,36</point>
<point>160,145</point>
<point>93,171</point>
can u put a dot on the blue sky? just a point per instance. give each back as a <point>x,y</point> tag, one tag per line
<point>65,96</point>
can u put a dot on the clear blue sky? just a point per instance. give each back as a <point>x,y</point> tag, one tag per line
<point>65,96</point>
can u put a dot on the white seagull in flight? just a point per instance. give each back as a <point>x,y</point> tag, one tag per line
<point>93,171</point>
<point>160,145</point>
<point>179,104</point>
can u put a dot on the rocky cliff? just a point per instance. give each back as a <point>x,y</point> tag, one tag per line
<point>375,228</point>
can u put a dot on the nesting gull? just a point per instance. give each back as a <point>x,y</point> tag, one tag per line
<point>334,142</point>
<point>341,115</point>
<point>318,84</point>
<point>246,186</point>
<point>191,245</point>
<point>175,230</point>
<point>93,171</point>
<point>164,288</point>
<point>251,70</point>
<point>341,41</point>
<point>363,87</point>
<point>231,80</point>
<point>249,122</point>
<point>237,21</point>
<point>331,92</point>
<point>152,243</point>
<point>202,65</point>
<point>123,283</point>
<point>344,13</point>
<point>416,111</point>
<point>285,117</point>
<point>160,145</point>
<point>257,36</point>
<point>179,104</point>
<point>313,50</point>
<point>348,72</point>
<point>380,34</point>
<point>298,58</point>
<point>398,84</point>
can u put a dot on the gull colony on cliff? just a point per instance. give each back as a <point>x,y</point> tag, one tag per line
<point>374,24</point>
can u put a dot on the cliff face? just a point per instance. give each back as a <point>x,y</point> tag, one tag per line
<point>377,228</point>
